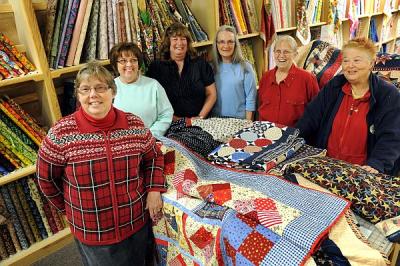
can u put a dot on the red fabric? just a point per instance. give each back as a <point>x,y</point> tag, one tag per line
<point>100,178</point>
<point>284,103</point>
<point>348,138</point>
<point>267,24</point>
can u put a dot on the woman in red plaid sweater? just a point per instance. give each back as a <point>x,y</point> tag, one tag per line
<point>103,169</point>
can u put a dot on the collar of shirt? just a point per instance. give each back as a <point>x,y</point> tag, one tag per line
<point>347,91</point>
<point>85,127</point>
<point>290,77</point>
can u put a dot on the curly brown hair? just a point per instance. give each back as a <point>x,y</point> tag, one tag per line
<point>175,29</point>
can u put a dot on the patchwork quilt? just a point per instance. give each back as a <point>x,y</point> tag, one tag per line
<point>215,216</point>
<point>374,197</point>
<point>259,147</point>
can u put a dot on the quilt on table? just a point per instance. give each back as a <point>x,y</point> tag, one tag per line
<point>222,128</point>
<point>374,197</point>
<point>294,217</point>
<point>305,151</point>
<point>194,137</point>
<point>259,147</point>
<point>387,66</point>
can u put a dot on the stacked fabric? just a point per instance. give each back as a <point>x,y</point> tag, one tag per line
<point>20,137</point>
<point>26,217</point>
<point>12,62</point>
<point>82,30</point>
<point>259,147</point>
<point>239,14</point>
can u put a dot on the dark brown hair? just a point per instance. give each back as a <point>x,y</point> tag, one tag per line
<point>121,48</point>
<point>175,29</point>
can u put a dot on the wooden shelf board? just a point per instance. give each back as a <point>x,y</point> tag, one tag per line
<point>5,8</point>
<point>286,29</point>
<point>317,24</point>
<point>40,5</point>
<point>200,44</point>
<point>40,249</point>
<point>388,40</point>
<point>250,35</point>
<point>55,73</point>
<point>17,174</point>
<point>35,76</point>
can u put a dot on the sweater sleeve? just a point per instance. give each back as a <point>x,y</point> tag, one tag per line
<point>164,113</point>
<point>50,166</point>
<point>153,163</point>
<point>250,88</point>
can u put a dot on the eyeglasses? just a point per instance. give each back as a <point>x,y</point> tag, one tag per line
<point>85,90</point>
<point>124,61</point>
<point>284,52</point>
<point>229,42</point>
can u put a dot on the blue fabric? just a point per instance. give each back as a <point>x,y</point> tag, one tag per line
<point>236,90</point>
<point>383,120</point>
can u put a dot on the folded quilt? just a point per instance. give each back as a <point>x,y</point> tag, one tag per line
<point>374,197</point>
<point>259,147</point>
<point>193,137</point>
<point>221,128</point>
<point>294,219</point>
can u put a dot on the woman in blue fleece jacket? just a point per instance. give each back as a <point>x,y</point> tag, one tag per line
<point>382,116</point>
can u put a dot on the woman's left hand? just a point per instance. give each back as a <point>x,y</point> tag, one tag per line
<point>370,169</point>
<point>154,204</point>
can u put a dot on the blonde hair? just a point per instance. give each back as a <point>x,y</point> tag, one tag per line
<point>362,43</point>
<point>94,69</point>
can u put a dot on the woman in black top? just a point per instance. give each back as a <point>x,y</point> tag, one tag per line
<point>188,80</point>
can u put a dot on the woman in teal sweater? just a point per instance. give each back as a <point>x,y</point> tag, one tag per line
<point>138,94</point>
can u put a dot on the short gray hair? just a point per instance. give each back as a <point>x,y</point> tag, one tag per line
<point>286,38</point>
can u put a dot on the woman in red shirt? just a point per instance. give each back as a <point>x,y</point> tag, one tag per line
<point>285,90</point>
<point>356,117</point>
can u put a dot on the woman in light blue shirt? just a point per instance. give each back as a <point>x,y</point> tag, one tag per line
<point>234,77</point>
<point>138,94</point>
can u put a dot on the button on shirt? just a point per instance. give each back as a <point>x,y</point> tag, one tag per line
<point>284,103</point>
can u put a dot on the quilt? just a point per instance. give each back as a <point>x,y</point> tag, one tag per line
<point>374,197</point>
<point>213,216</point>
<point>259,147</point>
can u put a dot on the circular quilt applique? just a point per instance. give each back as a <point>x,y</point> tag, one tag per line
<point>273,133</point>
<point>238,156</point>
<point>262,142</point>
<point>249,136</point>
<point>226,151</point>
<point>252,149</point>
<point>237,143</point>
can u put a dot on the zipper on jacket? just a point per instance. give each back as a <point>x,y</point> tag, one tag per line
<point>112,185</point>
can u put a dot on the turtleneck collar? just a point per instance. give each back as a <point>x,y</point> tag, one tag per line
<point>114,119</point>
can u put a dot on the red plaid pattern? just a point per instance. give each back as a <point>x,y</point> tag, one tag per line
<point>100,179</point>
